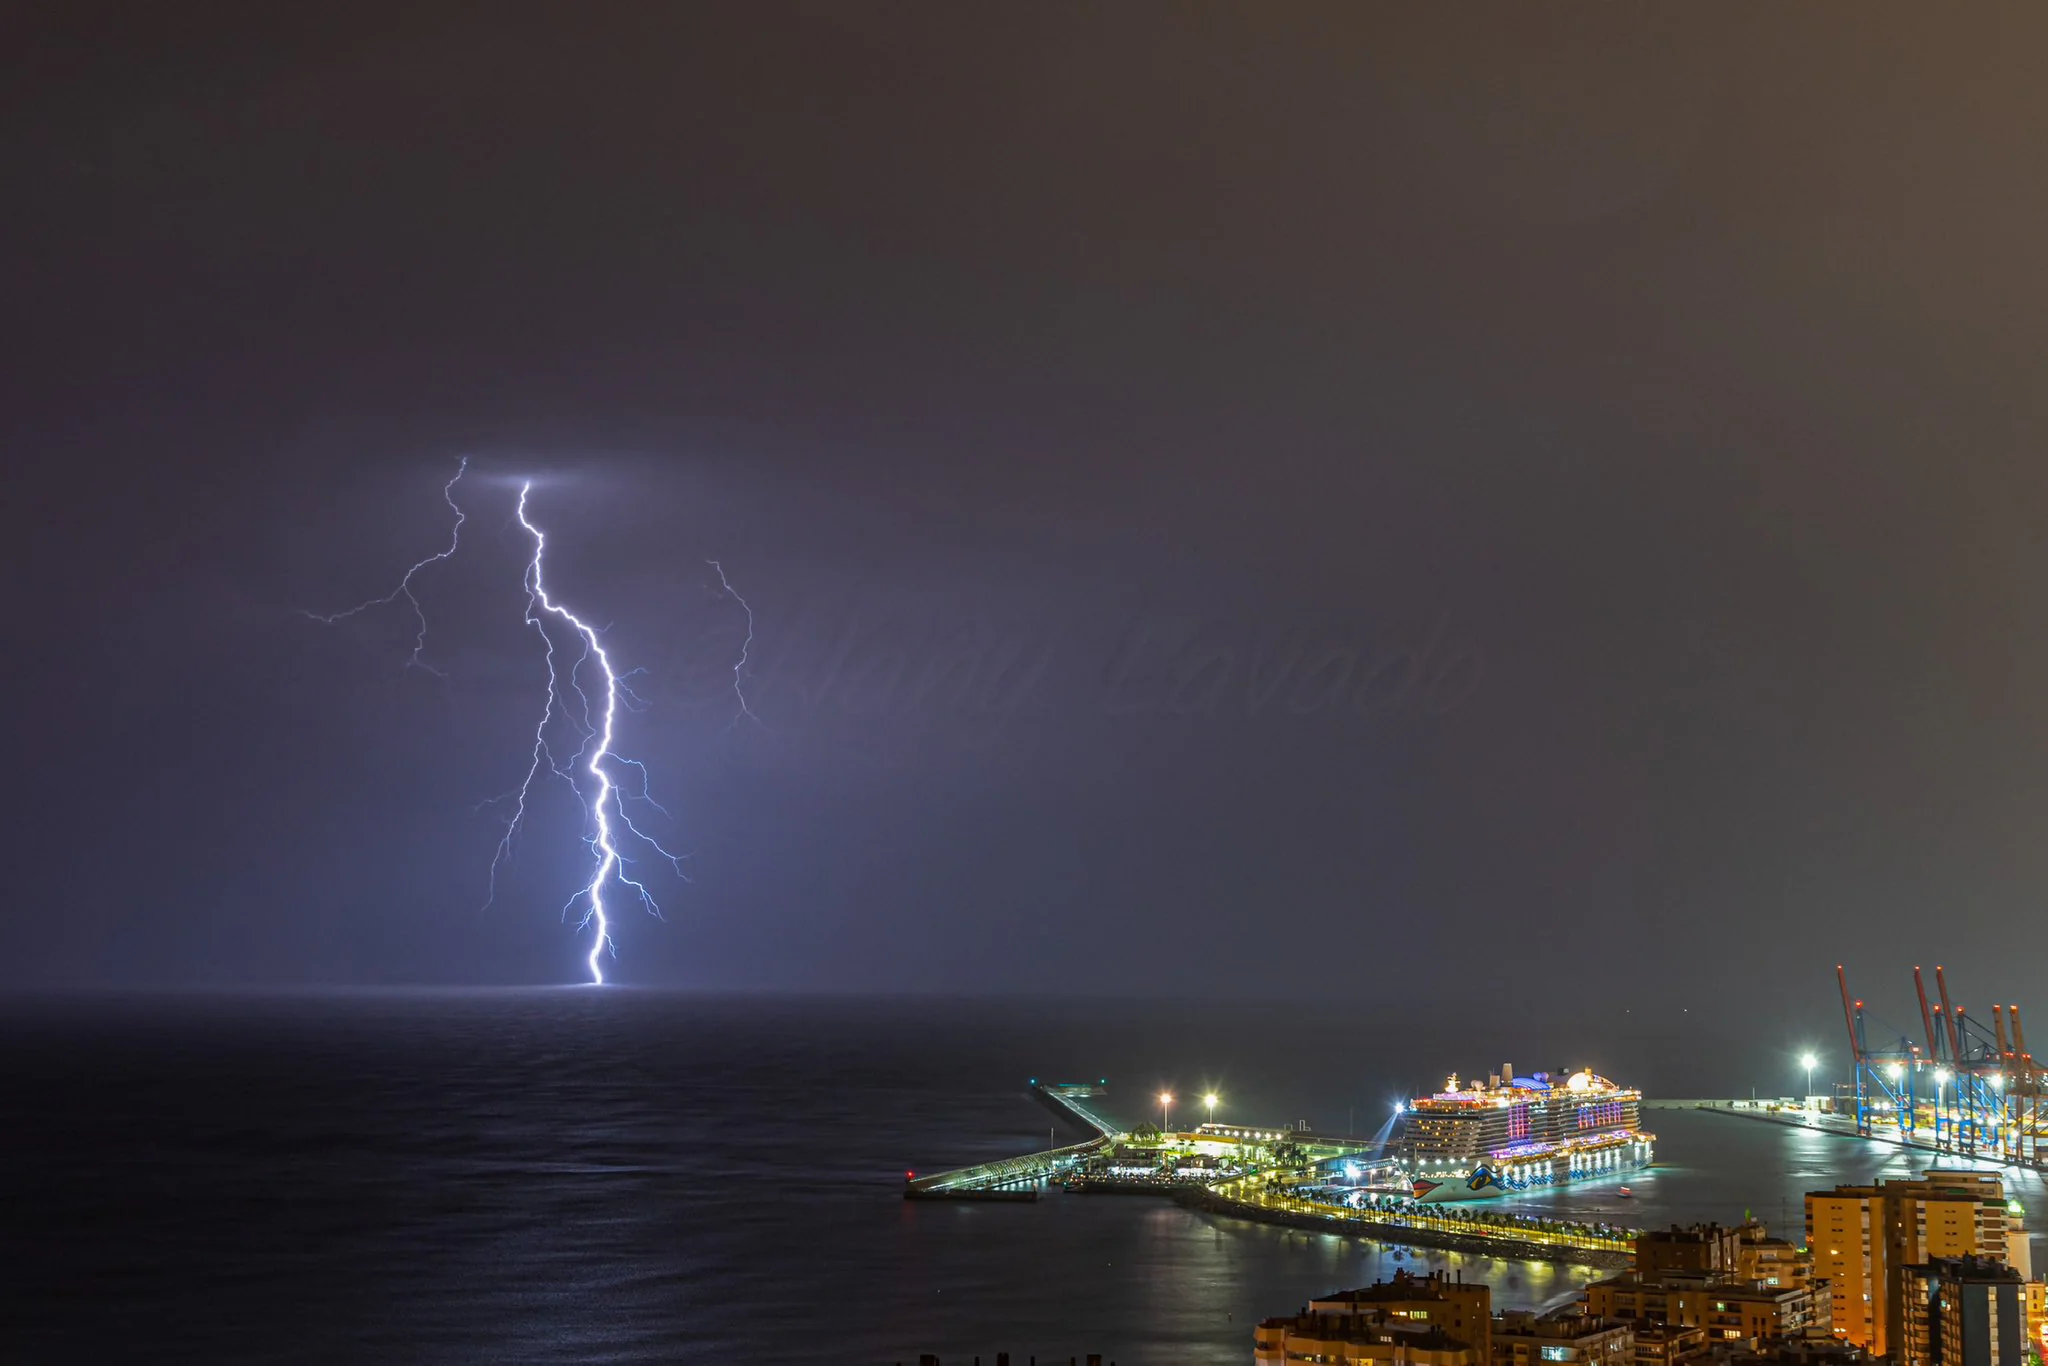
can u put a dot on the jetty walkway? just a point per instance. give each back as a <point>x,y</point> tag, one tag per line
<point>1019,1178</point>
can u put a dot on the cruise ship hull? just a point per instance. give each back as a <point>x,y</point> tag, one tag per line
<point>1518,1174</point>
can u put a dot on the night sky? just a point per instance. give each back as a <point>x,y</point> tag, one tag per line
<point>1346,499</point>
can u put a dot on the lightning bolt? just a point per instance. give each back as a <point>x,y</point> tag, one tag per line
<point>595,750</point>
<point>404,589</point>
<point>592,720</point>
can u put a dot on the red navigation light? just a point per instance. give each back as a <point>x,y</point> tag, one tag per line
<point>910,1176</point>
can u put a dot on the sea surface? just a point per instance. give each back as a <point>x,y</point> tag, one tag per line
<point>584,1175</point>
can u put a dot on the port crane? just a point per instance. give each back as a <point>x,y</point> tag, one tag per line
<point>1971,1091</point>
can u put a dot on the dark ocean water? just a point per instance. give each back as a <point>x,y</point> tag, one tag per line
<point>621,1176</point>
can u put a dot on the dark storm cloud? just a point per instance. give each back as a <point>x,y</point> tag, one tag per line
<point>1101,407</point>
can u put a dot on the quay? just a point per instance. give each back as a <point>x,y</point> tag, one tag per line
<point>1791,1116</point>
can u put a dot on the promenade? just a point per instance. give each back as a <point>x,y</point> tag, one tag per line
<point>1465,1228</point>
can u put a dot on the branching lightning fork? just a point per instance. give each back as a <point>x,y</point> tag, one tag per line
<point>739,667</point>
<point>593,720</point>
<point>404,589</point>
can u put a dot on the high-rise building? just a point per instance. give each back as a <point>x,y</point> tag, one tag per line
<point>1961,1311</point>
<point>1862,1236</point>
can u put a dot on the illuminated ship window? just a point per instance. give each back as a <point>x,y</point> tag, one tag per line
<point>1602,1115</point>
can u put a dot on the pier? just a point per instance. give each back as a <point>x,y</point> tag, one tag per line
<point>1070,1100</point>
<point>1257,1192</point>
<point>1020,1178</point>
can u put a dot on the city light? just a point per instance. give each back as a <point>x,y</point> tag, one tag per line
<point>1209,1101</point>
<point>1165,1100</point>
<point>1809,1062</point>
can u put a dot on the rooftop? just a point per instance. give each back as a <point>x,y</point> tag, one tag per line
<point>1970,1270</point>
<point>1406,1285</point>
<point>1567,1323</point>
<point>1366,1328</point>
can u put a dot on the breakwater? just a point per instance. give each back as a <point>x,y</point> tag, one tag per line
<point>1020,1178</point>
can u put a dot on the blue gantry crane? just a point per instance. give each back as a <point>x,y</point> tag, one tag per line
<point>1969,1091</point>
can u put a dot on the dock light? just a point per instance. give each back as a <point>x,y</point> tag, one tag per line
<point>1165,1100</point>
<point>1210,1100</point>
<point>1896,1071</point>
<point>1941,1076</point>
<point>1809,1062</point>
<point>1399,1107</point>
<point>1997,1079</point>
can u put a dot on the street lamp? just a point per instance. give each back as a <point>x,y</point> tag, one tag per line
<point>1165,1099</point>
<point>1809,1062</point>
<point>1940,1082</point>
<point>1209,1101</point>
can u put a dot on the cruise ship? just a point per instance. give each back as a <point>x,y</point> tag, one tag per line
<point>1509,1134</point>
